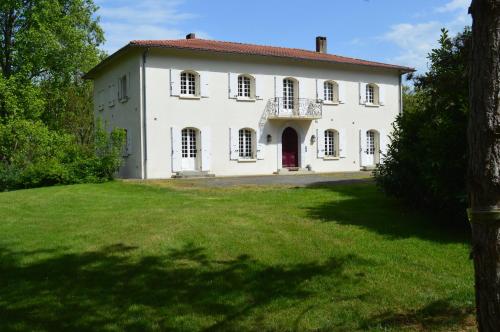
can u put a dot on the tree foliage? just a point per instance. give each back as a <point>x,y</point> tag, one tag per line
<point>426,161</point>
<point>47,134</point>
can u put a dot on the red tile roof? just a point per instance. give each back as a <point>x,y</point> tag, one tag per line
<point>197,44</point>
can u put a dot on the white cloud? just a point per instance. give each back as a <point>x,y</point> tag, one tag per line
<point>128,20</point>
<point>416,40</point>
<point>454,5</point>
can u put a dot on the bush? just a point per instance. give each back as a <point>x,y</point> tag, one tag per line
<point>31,155</point>
<point>426,161</point>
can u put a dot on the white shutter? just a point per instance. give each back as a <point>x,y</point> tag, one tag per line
<point>175,82</point>
<point>278,86</point>
<point>342,143</point>
<point>175,134</point>
<point>342,96</point>
<point>362,93</point>
<point>111,95</point>
<point>233,143</point>
<point>206,153</point>
<point>303,154</point>
<point>362,147</point>
<point>204,91</point>
<point>381,95</point>
<point>384,141</point>
<point>302,88</point>
<point>233,85</point>
<point>259,146</point>
<point>320,140</point>
<point>259,86</point>
<point>320,86</point>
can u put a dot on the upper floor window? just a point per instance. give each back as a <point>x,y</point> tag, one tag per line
<point>244,86</point>
<point>331,92</point>
<point>331,143</point>
<point>372,94</point>
<point>246,143</point>
<point>189,84</point>
<point>123,88</point>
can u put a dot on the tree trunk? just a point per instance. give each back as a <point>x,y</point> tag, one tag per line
<point>484,160</point>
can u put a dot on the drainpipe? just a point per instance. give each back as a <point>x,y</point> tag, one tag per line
<point>144,126</point>
<point>400,93</point>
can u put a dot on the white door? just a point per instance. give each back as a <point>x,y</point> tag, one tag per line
<point>189,149</point>
<point>370,147</point>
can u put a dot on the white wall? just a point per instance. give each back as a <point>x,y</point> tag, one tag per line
<point>126,115</point>
<point>219,112</point>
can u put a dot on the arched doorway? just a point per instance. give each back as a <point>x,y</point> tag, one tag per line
<point>290,148</point>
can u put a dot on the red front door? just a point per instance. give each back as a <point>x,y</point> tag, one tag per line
<point>290,148</point>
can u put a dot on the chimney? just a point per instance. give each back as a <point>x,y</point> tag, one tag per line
<point>321,44</point>
<point>191,36</point>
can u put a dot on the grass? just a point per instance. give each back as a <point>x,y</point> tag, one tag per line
<point>174,256</point>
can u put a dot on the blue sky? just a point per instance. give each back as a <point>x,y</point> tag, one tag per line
<point>393,31</point>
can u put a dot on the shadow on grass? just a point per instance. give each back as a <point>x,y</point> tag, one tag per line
<point>117,288</point>
<point>438,315</point>
<point>364,206</point>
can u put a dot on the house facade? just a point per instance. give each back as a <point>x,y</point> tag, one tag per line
<point>195,106</point>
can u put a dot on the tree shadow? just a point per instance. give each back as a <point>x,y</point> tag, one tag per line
<point>438,315</point>
<point>118,288</point>
<point>364,206</point>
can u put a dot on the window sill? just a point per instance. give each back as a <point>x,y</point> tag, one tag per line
<point>245,99</point>
<point>189,97</point>
<point>247,160</point>
<point>123,100</point>
<point>331,158</point>
<point>372,105</point>
<point>330,102</point>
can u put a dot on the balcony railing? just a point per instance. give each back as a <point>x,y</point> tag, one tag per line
<point>294,108</point>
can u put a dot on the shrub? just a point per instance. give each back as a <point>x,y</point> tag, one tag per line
<point>31,155</point>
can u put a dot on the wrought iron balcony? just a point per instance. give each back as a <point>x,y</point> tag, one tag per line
<point>294,108</point>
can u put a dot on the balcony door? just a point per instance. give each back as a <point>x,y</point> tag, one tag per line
<point>290,148</point>
<point>288,94</point>
<point>190,149</point>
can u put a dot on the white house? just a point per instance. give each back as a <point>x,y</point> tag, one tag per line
<point>195,106</point>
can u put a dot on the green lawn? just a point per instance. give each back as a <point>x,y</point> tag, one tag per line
<point>127,256</point>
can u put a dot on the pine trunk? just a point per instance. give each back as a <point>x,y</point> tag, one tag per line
<point>484,160</point>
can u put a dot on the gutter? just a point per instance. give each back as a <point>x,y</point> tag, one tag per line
<point>144,135</point>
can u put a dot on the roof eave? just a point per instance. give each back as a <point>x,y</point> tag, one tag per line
<point>91,74</point>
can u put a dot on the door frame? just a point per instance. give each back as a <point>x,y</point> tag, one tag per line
<point>300,136</point>
<point>197,160</point>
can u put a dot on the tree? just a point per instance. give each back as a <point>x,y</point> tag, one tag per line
<point>426,161</point>
<point>484,160</point>
<point>46,45</point>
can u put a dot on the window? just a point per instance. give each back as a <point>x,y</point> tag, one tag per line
<point>188,84</point>
<point>331,143</point>
<point>246,150</point>
<point>122,89</point>
<point>288,93</point>
<point>370,94</point>
<point>244,86</point>
<point>188,143</point>
<point>331,92</point>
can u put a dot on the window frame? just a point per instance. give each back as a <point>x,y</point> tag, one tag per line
<point>189,82</point>
<point>331,144</point>
<point>123,88</point>
<point>290,90</point>
<point>372,90</point>
<point>246,144</point>
<point>334,92</point>
<point>245,84</point>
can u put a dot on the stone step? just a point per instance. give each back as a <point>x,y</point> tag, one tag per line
<point>293,171</point>
<point>192,174</point>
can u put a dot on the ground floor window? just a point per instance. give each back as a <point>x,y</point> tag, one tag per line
<point>246,144</point>
<point>331,143</point>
